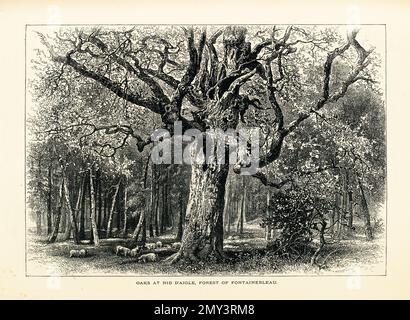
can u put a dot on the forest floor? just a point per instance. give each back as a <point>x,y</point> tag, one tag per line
<point>246,256</point>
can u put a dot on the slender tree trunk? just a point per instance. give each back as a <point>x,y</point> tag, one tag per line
<point>242,208</point>
<point>157,210</point>
<point>72,214</point>
<point>94,230</point>
<point>181,218</point>
<point>243,216</point>
<point>99,199</point>
<point>229,222</point>
<point>268,226</point>
<point>316,254</point>
<point>63,220</point>
<point>227,201</point>
<point>105,219</point>
<point>67,226</point>
<point>124,230</point>
<point>151,230</point>
<point>109,224</point>
<point>151,216</point>
<point>345,200</point>
<point>38,222</point>
<point>76,212</point>
<point>234,213</point>
<point>82,211</point>
<point>156,196</point>
<point>118,206</point>
<point>67,220</point>
<point>146,213</point>
<point>38,213</point>
<point>160,208</point>
<point>239,213</point>
<point>144,231</point>
<point>168,195</point>
<point>54,234</point>
<point>90,206</point>
<point>366,213</point>
<point>152,205</point>
<point>139,226</point>
<point>331,221</point>
<point>350,220</point>
<point>242,213</point>
<point>49,200</point>
<point>337,215</point>
<point>163,208</point>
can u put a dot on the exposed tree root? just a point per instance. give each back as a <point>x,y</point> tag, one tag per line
<point>189,257</point>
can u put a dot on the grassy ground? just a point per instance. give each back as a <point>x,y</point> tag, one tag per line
<point>246,256</point>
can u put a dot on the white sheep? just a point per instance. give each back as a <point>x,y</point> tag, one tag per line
<point>135,251</point>
<point>150,246</point>
<point>176,245</point>
<point>120,250</point>
<point>149,257</point>
<point>78,253</point>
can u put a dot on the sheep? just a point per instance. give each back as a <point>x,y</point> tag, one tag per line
<point>176,245</point>
<point>83,253</point>
<point>74,253</point>
<point>135,251</point>
<point>120,250</point>
<point>149,257</point>
<point>150,246</point>
<point>78,253</point>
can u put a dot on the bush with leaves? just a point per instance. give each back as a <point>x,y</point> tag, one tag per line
<point>299,215</point>
<point>290,213</point>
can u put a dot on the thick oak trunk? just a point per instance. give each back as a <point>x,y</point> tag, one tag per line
<point>203,233</point>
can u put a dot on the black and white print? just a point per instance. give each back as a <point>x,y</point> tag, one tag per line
<point>184,150</point>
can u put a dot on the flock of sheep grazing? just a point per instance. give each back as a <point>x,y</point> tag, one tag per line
<point>133,253</point>
<point>78,253</point>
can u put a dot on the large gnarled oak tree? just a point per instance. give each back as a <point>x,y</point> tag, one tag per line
<point>200,76</point>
